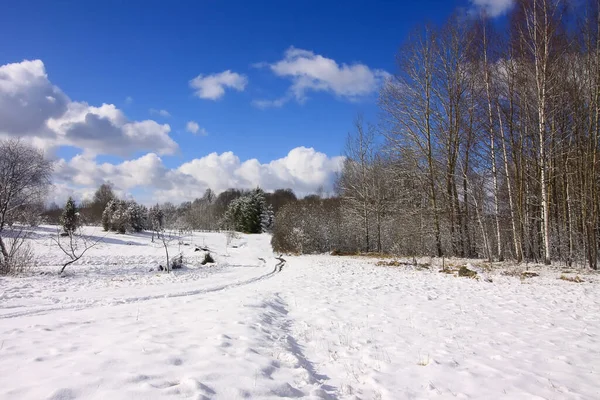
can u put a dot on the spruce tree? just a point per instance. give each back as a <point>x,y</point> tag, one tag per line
<point>249,213</point>
<point>69,219</point>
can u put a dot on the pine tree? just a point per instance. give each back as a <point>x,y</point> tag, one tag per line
<point>69,219</point>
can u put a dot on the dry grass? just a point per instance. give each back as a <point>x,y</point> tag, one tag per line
<point>376,255</point>
<point>448,271</point>
<point>529,274</point>
<point>343,253</point>
<point>466,272</point>
<point>398,263</point>
<point>574,279</point>
<point>391,263</point>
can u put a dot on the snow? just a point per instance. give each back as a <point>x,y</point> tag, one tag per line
<point>323,328</point>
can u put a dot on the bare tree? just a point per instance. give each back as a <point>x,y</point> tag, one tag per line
<point>75,244</point>
<point>538,36</point>
<point>166,238</point>
<point>355,183</point>
<point>411,111</point>
<point>24,180</point>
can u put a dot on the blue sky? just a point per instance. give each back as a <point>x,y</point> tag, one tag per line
<point>142,56</point>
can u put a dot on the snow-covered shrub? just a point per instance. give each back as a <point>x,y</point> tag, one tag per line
<point>208,259</point>
<point>177,262</point>
<point>20,254</point>
<point>122,216</point>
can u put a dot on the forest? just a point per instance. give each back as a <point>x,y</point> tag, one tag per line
<point>486,146</point>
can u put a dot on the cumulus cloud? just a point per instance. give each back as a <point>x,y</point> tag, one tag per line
<point>27,98</point>
<point>302,169</point>
<point>212,87</point>
<point>492,8</point>
<point>31,106</point>
<point>193,127</point>
<point>162,113</point>
<point>106,130</point>
<point>313,72</point>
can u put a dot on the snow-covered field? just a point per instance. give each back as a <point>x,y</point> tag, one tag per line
<point>323,328</point>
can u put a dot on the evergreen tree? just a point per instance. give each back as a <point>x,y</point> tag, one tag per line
<point>121,218</point>
<point>137,215</point>
<point>70,219</point>
<point>249,213</point>
<point>267,219</point>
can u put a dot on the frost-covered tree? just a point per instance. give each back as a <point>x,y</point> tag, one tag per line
<point>121,218</point>
<point>70,219</point>
<point>117,216</point>
<point>110,208</point>
<point>137,216</point>
<point>24,178</point>
<point>267,218</point>
<point>249,213</point>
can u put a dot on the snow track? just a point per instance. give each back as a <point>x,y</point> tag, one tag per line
<point>130,300</point>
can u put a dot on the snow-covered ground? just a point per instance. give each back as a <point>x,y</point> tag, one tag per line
<point>323,328</point>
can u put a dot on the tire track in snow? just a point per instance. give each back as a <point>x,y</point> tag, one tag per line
<point>133,300</point>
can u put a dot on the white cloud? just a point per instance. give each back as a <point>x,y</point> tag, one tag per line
<point>106,130</point>
<point>312,72</point>
<point>162,113</point>
<point>28,99</point>
<point>492,8</point>
<point>128,100</point>
<point>277,103</point>
<point>193,127</point>
<point>302,169</point>
<point>213,86</point>
<point>30,106</point>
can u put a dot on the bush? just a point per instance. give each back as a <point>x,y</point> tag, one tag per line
<point>208,259</point>
<point>466,272</point>
<point>177,262</point>
<point>20,256</point>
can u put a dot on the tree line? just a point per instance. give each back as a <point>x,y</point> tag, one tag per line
<point>486,145</point>
<point>248,211</point>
